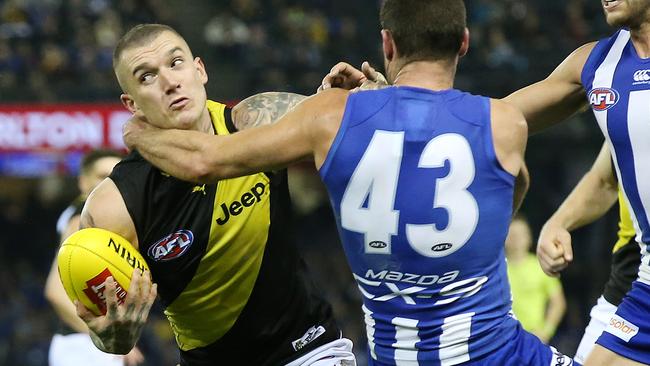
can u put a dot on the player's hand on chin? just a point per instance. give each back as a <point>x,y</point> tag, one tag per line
<point>554,250</point>
<point>118,330</point>
<point>134,129</point>
<point>345,76</point>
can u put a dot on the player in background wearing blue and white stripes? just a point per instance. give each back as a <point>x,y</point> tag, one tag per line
<point>594,195</point>
<point>615,74</point>
<point>422,178</point>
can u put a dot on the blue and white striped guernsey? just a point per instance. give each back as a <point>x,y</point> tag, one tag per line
<point>617,82</point>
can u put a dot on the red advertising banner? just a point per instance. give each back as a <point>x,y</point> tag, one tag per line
<point>45,139</point>
<point>58,128</point>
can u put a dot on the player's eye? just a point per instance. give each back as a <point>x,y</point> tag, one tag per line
<point>177,61</point>
<point>146,78</point>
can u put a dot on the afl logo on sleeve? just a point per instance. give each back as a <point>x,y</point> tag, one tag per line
<point>602,99</point>
<point>171,246</point>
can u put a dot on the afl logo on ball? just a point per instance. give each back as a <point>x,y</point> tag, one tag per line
<point>172,246</point>
<point>602,99</point>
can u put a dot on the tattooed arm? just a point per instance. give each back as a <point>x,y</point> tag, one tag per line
<point>263,109</point>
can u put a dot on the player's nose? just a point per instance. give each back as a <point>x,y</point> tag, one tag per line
<point>169,81</point>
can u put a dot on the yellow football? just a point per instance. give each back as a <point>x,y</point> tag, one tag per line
<point>88,257</point>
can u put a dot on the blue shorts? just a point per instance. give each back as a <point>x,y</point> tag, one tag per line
<point>523,350</point>
<point>628,331</point>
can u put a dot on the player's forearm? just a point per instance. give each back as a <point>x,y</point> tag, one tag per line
<point>589,200</point>
<point>264,108</point>
<point>183,154</point>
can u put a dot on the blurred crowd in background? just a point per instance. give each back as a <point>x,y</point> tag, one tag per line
<point>60,51</point>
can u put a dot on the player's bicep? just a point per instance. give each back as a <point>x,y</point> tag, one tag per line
<point>264,109</point>
<point>105,209</point>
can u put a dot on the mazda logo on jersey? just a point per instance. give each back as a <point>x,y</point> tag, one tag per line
<point>171,246</point>
<point>602,99</point>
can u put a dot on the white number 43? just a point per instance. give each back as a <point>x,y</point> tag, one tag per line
<point>374,183</point>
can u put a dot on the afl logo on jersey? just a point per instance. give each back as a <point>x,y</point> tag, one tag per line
<point>172,246</point>
<point>602,99</point>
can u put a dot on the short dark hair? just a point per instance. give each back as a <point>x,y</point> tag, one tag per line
<point>139,35</point>
<point>89,160</point>
<point>425,29</point>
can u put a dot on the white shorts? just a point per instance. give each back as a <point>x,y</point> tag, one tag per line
<point>77,349</point>
<point>335,353</point>
<point>600,315</point>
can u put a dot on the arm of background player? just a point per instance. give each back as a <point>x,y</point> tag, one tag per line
<point>263,109</point>
<point>555,98</point>
<point>555,311</point>
<point>305,133</point>
<point>118,330</point>
<point>55,293</point>
<point>594,195</point>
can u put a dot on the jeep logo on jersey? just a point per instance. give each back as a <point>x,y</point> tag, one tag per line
<point>236,207</point>
<point>172,246</point>
<point>441,247</point>
<point>641,77</point>
<point>377,244</point>
<point>602,99</point>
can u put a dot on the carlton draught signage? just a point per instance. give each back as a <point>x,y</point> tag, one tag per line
<point>39,139</point>
<point>61,128</point>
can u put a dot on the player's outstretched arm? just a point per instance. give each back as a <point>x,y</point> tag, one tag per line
<point>594,195</point>
<point>555,98</point>
<point>118,330</point>
<point>304,133</point>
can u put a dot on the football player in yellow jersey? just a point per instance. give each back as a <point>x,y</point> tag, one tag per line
<point>594,195</point>
<point>537,300</point>
<point>221,254</point>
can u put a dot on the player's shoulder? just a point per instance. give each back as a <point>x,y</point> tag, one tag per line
<point>505,115</point>
<point>105,208</point>
<point>132,168</point>
<point>327,106</point>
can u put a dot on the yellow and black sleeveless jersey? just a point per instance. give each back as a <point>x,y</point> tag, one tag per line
<point>626,257</point>
<point>234,287</point>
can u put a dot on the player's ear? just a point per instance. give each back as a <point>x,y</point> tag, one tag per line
<point>200,67</point>
<point>464,46</point>
<point>131,105</point>
<point>128,103</point>
<point>388,44</point>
